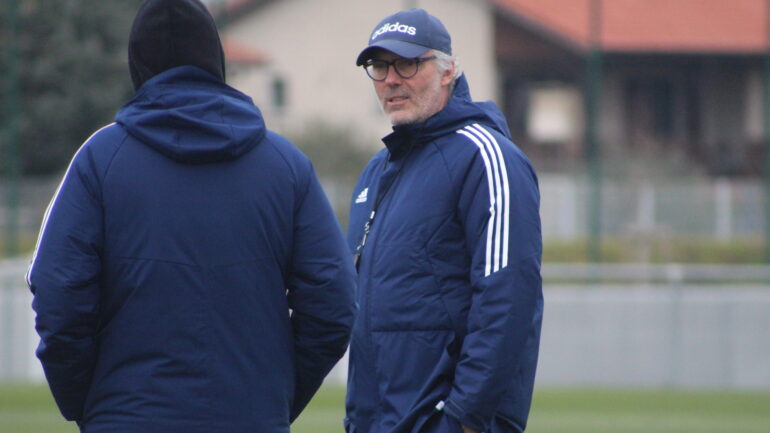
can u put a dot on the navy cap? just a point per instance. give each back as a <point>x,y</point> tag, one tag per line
<point>408,34</point>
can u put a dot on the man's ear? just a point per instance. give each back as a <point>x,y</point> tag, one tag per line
<point>447,76</point>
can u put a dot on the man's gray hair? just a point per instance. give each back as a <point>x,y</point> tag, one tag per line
<point>444,63</point>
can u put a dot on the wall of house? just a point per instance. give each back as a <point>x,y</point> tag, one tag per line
<point>312,46</point>
<point>706,110</point>
<point>723,120</point>
<point>612,129</point>
<point>754,93</point>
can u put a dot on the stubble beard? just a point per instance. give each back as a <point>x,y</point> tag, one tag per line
<point>424,107</point>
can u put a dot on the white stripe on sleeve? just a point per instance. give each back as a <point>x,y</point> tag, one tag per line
<point>491,187</point>
<point>498,226</point>
<point>506,193</point>
<point>498,196</point>
<point>52,203</point>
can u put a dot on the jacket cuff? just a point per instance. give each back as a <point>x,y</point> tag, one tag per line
<point>468,419</point>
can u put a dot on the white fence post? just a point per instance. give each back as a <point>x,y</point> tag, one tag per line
<point>723,202</point>
<point>646,208</point>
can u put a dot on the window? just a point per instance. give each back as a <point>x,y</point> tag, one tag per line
<point>555,113</point>
<point>278,91</point>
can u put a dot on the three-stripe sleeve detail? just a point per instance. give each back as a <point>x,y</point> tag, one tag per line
<point>51,205</point>
<point>498,225</point>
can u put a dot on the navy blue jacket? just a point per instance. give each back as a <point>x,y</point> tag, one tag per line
<point>170,258</point>
<point>449,285</point>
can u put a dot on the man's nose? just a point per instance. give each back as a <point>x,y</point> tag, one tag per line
<point>391,76</point>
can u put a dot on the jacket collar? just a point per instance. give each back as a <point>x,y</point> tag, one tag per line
<point>458,112</point>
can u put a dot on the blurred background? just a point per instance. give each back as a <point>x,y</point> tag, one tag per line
<point>648,122</point>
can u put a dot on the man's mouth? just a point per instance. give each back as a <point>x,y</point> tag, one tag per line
<point>396,100</point>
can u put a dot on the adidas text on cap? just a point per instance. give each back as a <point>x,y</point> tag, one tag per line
<point>408,34</point>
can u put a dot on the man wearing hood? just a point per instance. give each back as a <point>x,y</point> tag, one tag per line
<point>189,275</point>
<point>445,233</point>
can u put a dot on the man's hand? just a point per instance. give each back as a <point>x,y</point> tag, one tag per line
<point>468,429</point>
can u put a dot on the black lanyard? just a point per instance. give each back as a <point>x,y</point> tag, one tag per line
<point>378,199</point>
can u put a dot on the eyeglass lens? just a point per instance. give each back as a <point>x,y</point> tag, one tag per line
<point>378,69</point>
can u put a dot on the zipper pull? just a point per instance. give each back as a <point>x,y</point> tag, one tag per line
<point>367,228</point>
<point>360,247</point>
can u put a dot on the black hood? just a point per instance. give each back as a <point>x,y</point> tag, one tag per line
<point>171,33</point>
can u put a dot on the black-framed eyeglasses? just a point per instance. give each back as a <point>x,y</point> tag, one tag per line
<point>377,69</point>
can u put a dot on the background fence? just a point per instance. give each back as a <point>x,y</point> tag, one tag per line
<point>718,209</point>
<point>722,209</point>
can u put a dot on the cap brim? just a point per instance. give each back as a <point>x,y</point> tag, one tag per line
<point>400,48</point>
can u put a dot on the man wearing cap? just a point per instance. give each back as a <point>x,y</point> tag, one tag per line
<point>445,233</point>
<point>190,275</point>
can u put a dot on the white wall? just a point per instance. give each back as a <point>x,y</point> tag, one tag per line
<point>18,339</point>
<point>313,44</point>
<point>685,336</point>
<point>640,334</point>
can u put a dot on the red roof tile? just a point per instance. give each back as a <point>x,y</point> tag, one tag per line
<point>238,53</point>
<point>730,26</point>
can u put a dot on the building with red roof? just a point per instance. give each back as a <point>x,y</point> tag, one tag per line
<point>680,80</point>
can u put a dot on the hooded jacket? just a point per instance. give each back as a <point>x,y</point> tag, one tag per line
<point>190,275</point>
<point>170,33</point>
<point>449,286</point>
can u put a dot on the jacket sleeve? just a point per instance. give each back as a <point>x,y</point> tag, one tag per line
<point>321,285</point>
<point>499,209</point>
<point>64,278</point>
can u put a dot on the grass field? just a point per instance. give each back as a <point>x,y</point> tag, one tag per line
<point>30,409</point>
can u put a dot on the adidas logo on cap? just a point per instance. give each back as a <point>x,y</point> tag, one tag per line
<point>397,27</point>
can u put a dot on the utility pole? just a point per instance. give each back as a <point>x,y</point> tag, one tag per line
<point>593,148</point>
<point>11,129</point>
<point>766,107</point>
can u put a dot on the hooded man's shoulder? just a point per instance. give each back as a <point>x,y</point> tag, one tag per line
<point>294,160</point>
<point>285,147</point>
<point>102,144</point>
<point>93,158</point>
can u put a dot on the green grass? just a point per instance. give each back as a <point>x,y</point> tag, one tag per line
<point>621,411</point>
<point>324,414</point>
<point>30,409</point>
